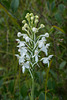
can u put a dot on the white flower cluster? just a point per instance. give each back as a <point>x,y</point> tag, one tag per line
<point>31,47</point>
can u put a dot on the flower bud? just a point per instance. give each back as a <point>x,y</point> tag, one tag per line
<point>36,16</point>
<point>24,21</point>
<point>27,15</point>
<point>23,28</point>
<point>25,25</point>
<point>36,21</point>
<point>42,25</point>
<point>31,14</point>
<point>32,18</point>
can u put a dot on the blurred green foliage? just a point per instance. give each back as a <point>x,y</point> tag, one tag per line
<point>14,85</point>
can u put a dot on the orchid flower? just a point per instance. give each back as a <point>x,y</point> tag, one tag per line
<point>46,59</point>
<point>27,39</point>
<point>25,65</point>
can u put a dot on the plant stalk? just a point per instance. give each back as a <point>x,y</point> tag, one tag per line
<point>47,80</point>
<point>32,90</point>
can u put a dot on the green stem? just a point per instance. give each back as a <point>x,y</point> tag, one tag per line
<point>45,93</point>
<point>32,91</point>
<point>47,80</point>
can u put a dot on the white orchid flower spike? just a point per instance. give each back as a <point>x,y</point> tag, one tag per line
<point>29,49</point>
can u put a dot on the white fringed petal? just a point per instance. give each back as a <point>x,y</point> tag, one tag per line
<point>21,44</point>
<point>46,59</point>
<point>27,39</point>
<point>25,65</point>
<point>23,69</point>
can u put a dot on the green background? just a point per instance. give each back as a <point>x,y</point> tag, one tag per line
<point>14,85</point>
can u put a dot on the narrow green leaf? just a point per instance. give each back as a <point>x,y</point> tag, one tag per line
<point>14,5</point>
<point>58,17</point>
<point>62,65</point>
<point>49,84</point>
<point>48,5</point>
<point>11,86</point>
<point>58,28</point>
<point>23,90</point>
<point>61,8</point>
<point>53,74</point>
<point>41,96</point>
<point>52,5</point>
